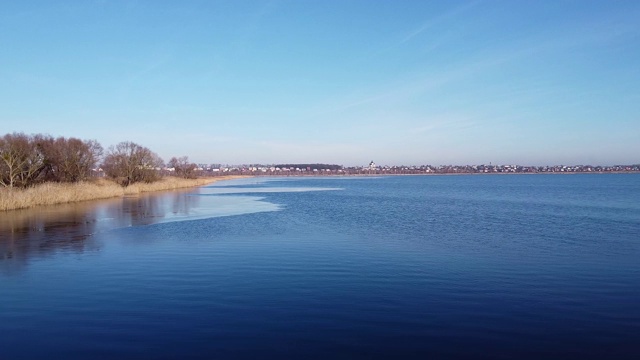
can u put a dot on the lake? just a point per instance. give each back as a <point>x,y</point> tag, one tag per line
<point>488,266</point>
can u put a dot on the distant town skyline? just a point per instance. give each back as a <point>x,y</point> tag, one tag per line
<point>340,82</point>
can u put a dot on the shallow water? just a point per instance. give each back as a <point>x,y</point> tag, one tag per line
<point>431,266</point>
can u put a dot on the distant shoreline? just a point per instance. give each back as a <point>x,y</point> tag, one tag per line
<point>63,193</point>
<point>441,174</point>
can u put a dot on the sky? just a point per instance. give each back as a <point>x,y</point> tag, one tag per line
<point>342,82</point>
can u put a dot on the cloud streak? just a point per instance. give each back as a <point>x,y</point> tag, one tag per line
<point>448,125</point>
<point>438,19</point>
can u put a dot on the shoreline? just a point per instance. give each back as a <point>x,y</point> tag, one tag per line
<point>444,174</point>
<point>63,193</point>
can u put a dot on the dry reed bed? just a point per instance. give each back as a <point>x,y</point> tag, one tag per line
<point>58,193</point>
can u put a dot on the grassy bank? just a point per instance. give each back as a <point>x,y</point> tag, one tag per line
<point>60,193</point>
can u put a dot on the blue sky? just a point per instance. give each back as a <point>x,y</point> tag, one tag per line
<point>346,82</point>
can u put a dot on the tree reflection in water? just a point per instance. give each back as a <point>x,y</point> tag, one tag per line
<point>41,231</point>
<point>46,230</point>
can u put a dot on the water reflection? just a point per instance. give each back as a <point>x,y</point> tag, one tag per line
<point>43,231</point>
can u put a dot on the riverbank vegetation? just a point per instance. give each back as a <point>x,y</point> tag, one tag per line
<point>59,193</point>
<point>43,170</point>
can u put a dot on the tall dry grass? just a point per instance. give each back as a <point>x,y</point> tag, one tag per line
<point>57,193</point>
<point>60,193</point>
<point>167,183</point>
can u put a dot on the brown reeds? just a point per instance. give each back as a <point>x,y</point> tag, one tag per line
<point>166,183</point>
<point>60,193</point>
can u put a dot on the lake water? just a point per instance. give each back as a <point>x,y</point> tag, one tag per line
<point>499,267</point>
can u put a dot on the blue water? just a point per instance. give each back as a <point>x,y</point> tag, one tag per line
<point>496,267</point>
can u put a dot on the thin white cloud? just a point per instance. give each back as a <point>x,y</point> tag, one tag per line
<point>444,125</point>
<point>305,150</point>
<point>436,20</point>
<point>401,90</point>
<point>154,64</point>
<point>255,19</point>
<point>579,35</point>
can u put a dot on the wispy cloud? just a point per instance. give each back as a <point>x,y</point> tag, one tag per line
<point>403,89</point>
<point>142,72</point>
<point>306,150</point>
<point>584,34</point>
<point>446,124</point>
<point>148,68</point>
<point>254,20</point>
<point>438,19</point>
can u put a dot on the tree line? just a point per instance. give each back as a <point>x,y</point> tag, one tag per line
<point>27,160</point>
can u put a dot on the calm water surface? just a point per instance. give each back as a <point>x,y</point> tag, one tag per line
<point>499,267</point>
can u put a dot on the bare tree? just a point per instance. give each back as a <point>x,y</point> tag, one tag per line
<point>77,158</point>
<point>68,160</point>
<point>46,145</point>
<point>129,162</point>
<point>20,161</point>
<point>183,167</point>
